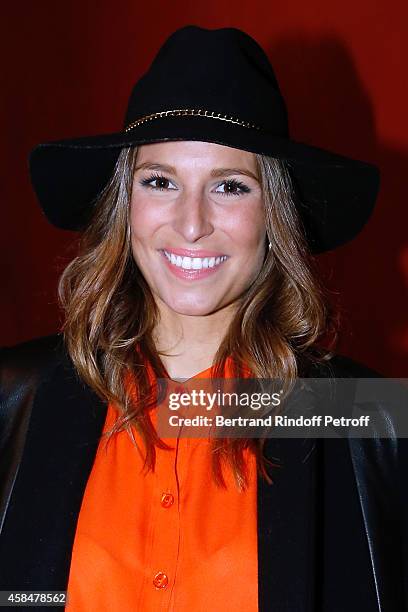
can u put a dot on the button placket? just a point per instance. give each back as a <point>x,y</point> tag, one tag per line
<point>164,552</point>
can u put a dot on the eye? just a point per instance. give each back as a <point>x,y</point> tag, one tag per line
<point>232,187</point>
<point>158,183</point>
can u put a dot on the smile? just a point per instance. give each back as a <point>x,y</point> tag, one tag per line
<point>194,263</point>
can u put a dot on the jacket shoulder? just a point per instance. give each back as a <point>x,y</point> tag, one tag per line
<point>340,366</point>
<point>32,355</point>
<point>21,368</point>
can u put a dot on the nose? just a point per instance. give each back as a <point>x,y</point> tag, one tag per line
<point>192,218</point>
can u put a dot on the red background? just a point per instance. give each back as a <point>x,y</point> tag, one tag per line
<point>67,70</point>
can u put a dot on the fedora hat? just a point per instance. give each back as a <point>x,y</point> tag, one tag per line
<point>214,86</point>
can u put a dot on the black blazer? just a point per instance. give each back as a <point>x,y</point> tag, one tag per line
<point>332,528</point>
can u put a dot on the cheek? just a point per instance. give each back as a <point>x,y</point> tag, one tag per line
<point>247,226</point>
<point>144,220</point>
<point>144,223</point>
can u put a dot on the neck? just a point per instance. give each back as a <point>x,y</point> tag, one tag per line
<point>189,342</point>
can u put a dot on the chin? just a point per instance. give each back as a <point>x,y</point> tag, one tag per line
<point>193,308</point>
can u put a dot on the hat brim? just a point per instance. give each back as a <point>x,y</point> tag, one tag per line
<point>336,194</point>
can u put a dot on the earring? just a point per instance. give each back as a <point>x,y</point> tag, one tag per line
<point>269,246</point>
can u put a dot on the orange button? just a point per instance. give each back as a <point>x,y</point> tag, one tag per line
<point>167,500</point>
<point>160,580</point>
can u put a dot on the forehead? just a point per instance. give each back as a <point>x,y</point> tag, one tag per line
<point>195,155</point>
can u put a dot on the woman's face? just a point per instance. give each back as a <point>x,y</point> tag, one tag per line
<point>197,224</point>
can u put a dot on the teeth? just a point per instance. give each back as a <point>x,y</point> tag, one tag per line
<point>194,263</point>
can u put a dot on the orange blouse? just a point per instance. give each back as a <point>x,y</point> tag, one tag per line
<point>168,540</point>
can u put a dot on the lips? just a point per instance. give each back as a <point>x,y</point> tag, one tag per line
<point>192,267</point>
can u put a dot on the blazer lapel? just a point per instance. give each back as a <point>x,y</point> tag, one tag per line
<point>287,516</point>
<point>65,426</point>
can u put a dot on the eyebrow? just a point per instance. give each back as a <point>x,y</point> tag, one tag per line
<point>215,172</point>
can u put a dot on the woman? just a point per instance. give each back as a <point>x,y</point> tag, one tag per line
<point>198,222</point>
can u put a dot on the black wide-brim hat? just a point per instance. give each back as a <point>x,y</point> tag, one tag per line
<point>213,86</point>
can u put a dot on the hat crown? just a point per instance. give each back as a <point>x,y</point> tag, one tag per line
<point>222,71</point>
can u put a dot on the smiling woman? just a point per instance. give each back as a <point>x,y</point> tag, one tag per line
<point>200,222</point>
<point>228,211</point>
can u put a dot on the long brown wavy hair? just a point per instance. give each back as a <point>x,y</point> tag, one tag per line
<point>283,319</point>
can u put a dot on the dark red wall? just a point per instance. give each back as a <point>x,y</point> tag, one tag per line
<point>67,70</point>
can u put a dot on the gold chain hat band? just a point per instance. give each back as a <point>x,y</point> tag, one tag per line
<point>192,112</point>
